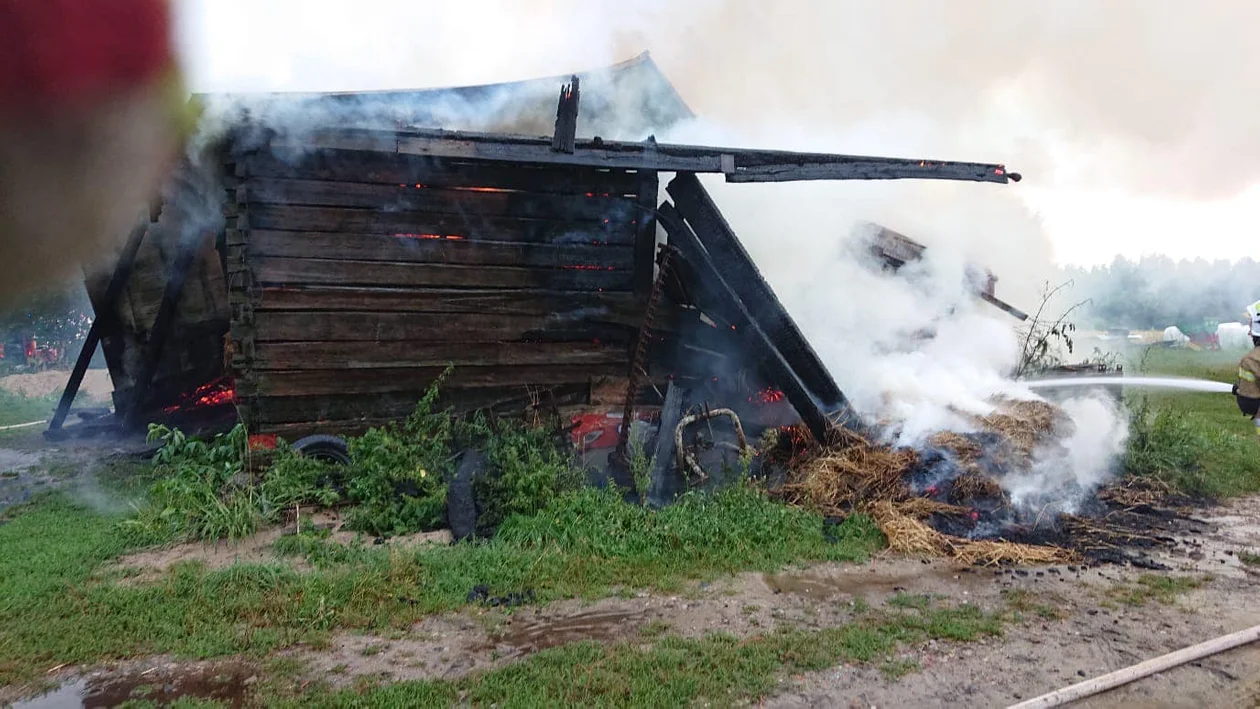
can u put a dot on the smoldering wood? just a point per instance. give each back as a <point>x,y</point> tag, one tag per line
<point>621,307</point>
<point>667,481</point>
<point>105,317</point>
<point>712,282</point>
<point>309,382</point>
<point>280,271</point>
<point>162,323</point>
<point>381,247</point>
<point>310,411</point>
<point>724,248</point>
<point>566,117</point>
<point>396,169</point>
<point>459,327</point>
<point>470,204</point>
<point>739,165</point>
<point>427,353</point>
<point>645,233</point>
<point>618,230</point>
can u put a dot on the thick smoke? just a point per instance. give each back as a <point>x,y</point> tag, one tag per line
<point>1147,96</point>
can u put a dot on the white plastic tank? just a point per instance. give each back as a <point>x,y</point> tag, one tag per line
<point>1233,336</point>
<point>1174,334</point>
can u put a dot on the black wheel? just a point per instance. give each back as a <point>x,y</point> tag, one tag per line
<point>332,449</point>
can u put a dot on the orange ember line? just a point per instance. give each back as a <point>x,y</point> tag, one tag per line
<point>448,237</point>
<point>588,267</point>
<point>219,392</point>
<point>483,189</point>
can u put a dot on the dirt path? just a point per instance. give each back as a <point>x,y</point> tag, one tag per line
<point>1074,623</point>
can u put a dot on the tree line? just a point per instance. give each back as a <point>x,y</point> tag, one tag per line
<point>1154,292</point>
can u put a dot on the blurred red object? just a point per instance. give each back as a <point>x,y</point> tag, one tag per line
<point>59,52</point>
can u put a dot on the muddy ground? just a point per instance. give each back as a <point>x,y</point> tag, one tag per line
<point>1073,626</point>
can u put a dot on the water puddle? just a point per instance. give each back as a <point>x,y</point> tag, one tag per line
<point>594,625</point>
<point>227,684</point>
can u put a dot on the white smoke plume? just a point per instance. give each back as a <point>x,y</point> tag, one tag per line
<point>1152,96</point>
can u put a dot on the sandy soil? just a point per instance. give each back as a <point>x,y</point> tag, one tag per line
<point>96,383</point>
<point>1090,634</point>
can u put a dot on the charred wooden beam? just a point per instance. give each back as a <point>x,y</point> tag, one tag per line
<point>460,252</point>
<point>369,328</point>
<point>185,254</point>
<point>723,247</point>
<point>311,382</point>
<point>565,137</point>
<point>426,353</point>
<point>105,314</point>
<point>295,271</point>
<point>620,306</point>
<point>437,173</point>
<point>618,229</point>
<point>739,165</point>
<point>645,232</point>
<point>714,280</point>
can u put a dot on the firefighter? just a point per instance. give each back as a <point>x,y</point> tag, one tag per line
<point>1247,390</point>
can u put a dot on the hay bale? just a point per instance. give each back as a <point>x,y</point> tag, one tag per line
<point>1024,424</point>
<point>924,507</point>
<point>973,486</point>
<point>907,535</point>
<point>853,471</point>
<point>965,450</point>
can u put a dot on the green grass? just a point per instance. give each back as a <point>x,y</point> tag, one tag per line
<point>1249,558</point>
<point>1198,442</point>
<point>15,408</point>
<point>1152,587</point>
<point>717,669</point>
<point>53,609</point>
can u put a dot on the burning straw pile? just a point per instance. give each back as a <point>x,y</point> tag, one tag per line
<point>853,474</point>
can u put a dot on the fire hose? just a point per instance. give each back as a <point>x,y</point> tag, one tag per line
<point>687,462</point>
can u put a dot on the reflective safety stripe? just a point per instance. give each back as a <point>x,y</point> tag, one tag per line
<point>1246,376</point>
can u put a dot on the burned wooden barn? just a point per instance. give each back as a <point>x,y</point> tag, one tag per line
<point>349,264</point>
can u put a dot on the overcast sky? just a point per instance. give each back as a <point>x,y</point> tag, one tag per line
<point>1135,122</point>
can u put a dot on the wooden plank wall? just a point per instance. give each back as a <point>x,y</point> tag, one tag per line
<point>356,277</point>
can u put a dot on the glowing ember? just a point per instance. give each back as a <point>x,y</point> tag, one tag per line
<point>587,267</point>
<point>769,395</point>
<point>483,189</point>
<point>448,237</point>
<point>220,392</point>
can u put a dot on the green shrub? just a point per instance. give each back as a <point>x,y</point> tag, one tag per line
<point>528,470</point>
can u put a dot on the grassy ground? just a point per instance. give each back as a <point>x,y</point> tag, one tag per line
<point>672,671</point>
<point>15,409</point>
<point>1198,442</point>
<point>60,602</point>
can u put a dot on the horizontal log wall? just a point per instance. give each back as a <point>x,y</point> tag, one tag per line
<point>357,277</point>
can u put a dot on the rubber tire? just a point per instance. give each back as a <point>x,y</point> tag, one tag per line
<point>332,449</point>
<point>461,504</point>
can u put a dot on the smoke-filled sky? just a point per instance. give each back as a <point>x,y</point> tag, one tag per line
<point>1134,122</point>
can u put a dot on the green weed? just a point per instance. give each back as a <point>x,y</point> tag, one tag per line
<point>1249,558</point>
<point>1153,587</point>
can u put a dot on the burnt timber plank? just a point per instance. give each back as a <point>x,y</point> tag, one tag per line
<point>612,306</point>
<point>426,353</point>
<point>739,165</point>
<point>273,270</point>
<point>186,253</point>
<point>713,282</point>
<point>472,227</point>
<point>383,247</point>
<point>481,201</point>
<point>308,410</point>
<point>383,327</point>
<point>394,169</point>
<point>313,382</point>
<point>730,258</point>
<point>645,234</point>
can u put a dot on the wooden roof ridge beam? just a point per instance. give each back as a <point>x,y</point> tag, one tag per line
<point>737,164</point>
